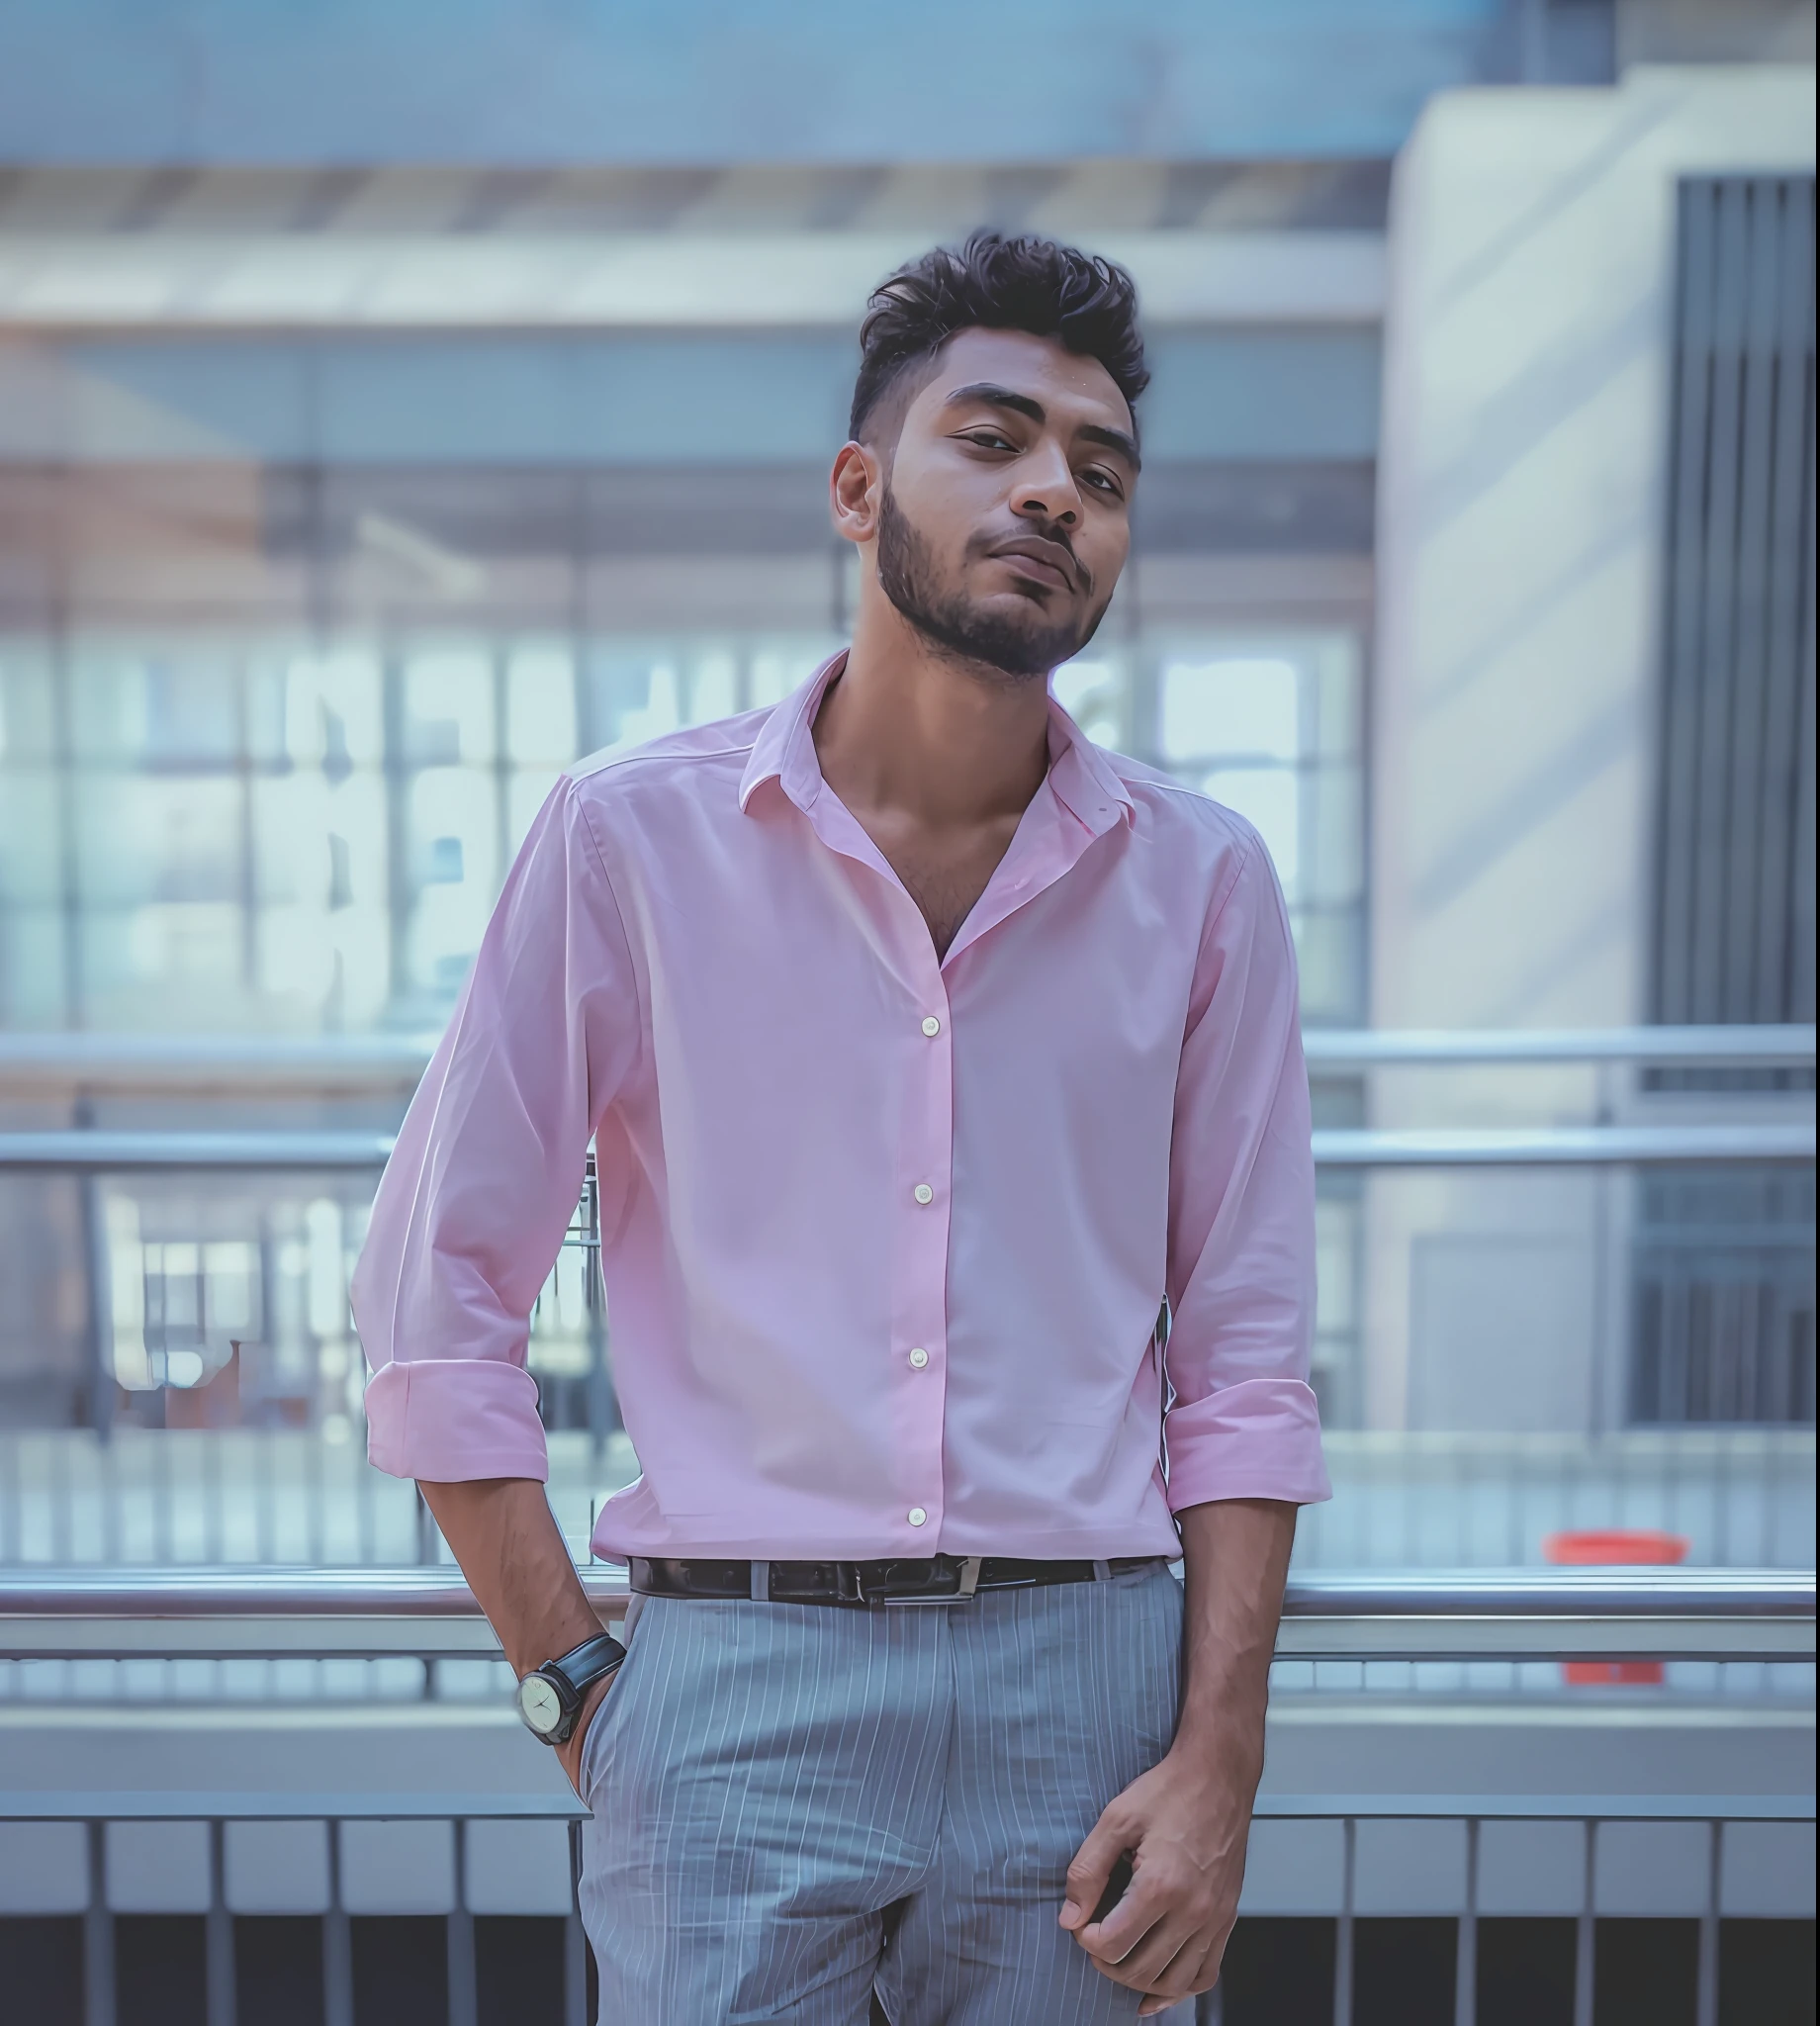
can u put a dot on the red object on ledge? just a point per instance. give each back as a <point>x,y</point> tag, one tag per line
<point>1614,1547</point>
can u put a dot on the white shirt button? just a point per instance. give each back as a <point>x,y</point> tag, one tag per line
<point>917,1516</point>
<point>931,1025</point>
<point>919,1357</point>
<point>924,1193</point>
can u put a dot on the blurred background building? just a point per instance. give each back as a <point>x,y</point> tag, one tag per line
<point>397,402</point>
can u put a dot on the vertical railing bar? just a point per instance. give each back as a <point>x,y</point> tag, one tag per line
<point>462,1998</point>
<point>574,1940</point>
<point>1342,1938</point>
<point>218,1934</point>
<point>61,1502</point>
<point>593,1300</point>
<point>1584,1940</point>
<point>266,1323</point>
<point>215,1493</point>
<point>1466,1954</point>
<point>12,1501</point>
<point>99,1334</point>
<point>1707,2004</point>
<point>316,1488</point>
<point>337,1943</point>
<point>366,1546</point>
<point>109,1491</point>
<point>97,2007</point>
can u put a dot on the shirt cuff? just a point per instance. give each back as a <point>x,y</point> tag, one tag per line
<point>450,1420</point>
<point>1258,1439</point>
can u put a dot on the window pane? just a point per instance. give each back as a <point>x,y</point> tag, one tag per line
<point>30,846</point>
<point>1247,709</point>
<point>27,726</point>
<point>32,967</point>
<point>1094,692</point>
<point>449,706</point>
<point>540,705</point>
<point>168,838</point>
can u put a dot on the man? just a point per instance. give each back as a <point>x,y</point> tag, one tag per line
<point>927,1051</point>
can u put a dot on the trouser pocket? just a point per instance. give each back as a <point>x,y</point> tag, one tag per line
<point>596,1747</point>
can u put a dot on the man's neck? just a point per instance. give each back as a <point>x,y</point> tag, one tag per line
<point>914,730</point>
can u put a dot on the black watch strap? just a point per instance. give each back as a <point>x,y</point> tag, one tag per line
<point>584,1665</point>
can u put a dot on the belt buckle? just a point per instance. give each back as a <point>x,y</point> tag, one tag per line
<point>966,1586</point>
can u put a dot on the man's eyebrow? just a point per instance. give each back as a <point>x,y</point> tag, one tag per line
<point>995,396</point>
<point>1113,439</point>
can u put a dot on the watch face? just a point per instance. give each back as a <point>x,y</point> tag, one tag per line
<point>539,1705</point>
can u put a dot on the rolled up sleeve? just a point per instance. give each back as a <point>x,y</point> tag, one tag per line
<point>1244,1421</point>
<point>489,1165</point>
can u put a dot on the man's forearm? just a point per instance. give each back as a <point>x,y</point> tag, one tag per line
<point>1234,1564</point>
<point>506,1538</point>
<point>1185,1822</point>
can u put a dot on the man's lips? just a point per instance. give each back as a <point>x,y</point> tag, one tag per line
<point>1044,562</point>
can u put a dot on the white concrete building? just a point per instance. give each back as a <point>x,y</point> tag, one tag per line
<point>1526,573</point>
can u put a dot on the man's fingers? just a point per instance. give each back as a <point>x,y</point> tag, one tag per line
<point>1160,1936</point>
<point>1112,1940</point>
<point>1181,1978</point>
<point>1107,1842</point>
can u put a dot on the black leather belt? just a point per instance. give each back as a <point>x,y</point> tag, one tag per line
<point>933,1579</point>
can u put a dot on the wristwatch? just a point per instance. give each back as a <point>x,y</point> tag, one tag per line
<point>550,1697</point>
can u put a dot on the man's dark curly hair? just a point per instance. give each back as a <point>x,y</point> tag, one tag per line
<point>998,284</point>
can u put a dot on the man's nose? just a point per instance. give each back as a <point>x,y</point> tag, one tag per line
<point>1047,492</point>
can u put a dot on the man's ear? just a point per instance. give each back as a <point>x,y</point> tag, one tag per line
<point>856,493</point>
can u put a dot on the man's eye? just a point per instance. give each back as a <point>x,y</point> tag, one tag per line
<point>990,439</point>
<point>1104,481</point>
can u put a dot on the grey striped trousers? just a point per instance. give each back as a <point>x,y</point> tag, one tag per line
<point>793,1805</point>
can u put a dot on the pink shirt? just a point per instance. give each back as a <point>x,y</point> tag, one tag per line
<point>884,1239</point>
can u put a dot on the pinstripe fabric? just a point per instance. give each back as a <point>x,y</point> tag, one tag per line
<point>793,1803</point>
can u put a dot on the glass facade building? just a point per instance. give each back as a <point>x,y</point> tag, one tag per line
<point>270,730</point>
<point>296,634</point>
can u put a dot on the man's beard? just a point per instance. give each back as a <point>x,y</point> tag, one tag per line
<point>1015,646</point>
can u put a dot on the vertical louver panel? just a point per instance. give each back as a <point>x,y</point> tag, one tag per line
<point>1735,859</point>
<point>1722,1310</point>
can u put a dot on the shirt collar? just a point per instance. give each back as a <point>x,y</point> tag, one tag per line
<point>1082,777</point>
<point>785,748</point>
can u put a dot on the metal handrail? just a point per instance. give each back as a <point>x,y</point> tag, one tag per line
<point>231,1805</point>
<point>1563,1146</point>
<point>438,1590</point>
<point>1656,1048</point>
<point>140,1062</point>
<point>97,1062</point>
<point>107,1152</point>
<point>1403,1615</point>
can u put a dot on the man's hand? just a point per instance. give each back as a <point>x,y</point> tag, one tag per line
<point>571,1753</point>
<point>1184,1823</point>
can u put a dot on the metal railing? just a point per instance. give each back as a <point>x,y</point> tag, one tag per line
<point>1773,1130</point>
<point>1667,1614</point>
<point>95,1812</point>
<point>104,1152</point>
<point>90,1064</point>
<point>99,1062</point>
<point>1504,1615</point>
<point>253,1497</point>
<point>1790,1047</point>
<point>1593,1813</point>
